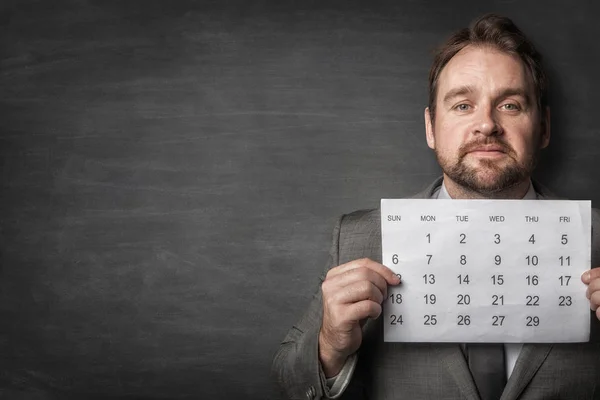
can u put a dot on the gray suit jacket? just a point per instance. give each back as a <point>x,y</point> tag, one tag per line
<point>428,370</point>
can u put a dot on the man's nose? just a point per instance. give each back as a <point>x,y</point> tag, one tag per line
<point>486,122</point>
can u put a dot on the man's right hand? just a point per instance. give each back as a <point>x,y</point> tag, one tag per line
<point>352,292</point>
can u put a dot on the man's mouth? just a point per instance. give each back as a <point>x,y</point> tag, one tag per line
<point>492,147</point>
<point>491,150</point>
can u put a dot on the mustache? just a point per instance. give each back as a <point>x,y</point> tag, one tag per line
<point>490,141</point>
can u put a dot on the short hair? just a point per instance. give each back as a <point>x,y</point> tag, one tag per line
<point>497,32</point>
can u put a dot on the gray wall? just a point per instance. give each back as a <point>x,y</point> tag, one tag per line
<point>171,172</point>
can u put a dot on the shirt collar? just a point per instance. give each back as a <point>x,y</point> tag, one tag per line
<point>442,193</point>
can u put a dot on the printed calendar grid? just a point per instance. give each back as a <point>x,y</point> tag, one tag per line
<point>506,279</point>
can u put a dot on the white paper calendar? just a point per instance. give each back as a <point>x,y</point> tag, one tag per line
<point>486,270</point>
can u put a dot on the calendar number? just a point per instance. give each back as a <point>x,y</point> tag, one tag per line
<point>533,301</point>
<point>428,236</point>
<point>532,260</point>
<point>564,280</point>
<point>396,298</point>
<point>532,280</point>
<point>497,238</point>
<point>463,238</point>
<point>498,279</point>
<point>565,260</point>
<point>430,319</point>
<point>565,301</point>
<point>463,260</point>
<point>429,257</point>
<point>564,239</point>
<point>430,298</point>
<point>464,320</point>
<point>396,319</point>
<point>463,299</point>
<point>429,279</point>
<point>497,300</point>
<point>395,259</point>
<point>532,321</point>
<point>498,260</point>
<point>498,320</point>
<point>463,279</point>
<point>532,239</point>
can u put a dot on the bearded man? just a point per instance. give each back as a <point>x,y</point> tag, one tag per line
<point>486,121</point>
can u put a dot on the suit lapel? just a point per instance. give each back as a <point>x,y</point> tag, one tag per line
<point>530,359</point>
<point>453,358</point>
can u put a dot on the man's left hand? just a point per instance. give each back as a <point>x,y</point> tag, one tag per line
<point>592,279</point>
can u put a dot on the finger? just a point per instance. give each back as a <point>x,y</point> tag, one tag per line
<point>590,275</point>
<point>382,270</point>
<point>363,309</point>
<point>595,301</point>
<point>354,264</point>
<point>359,275</point>
<point>594,286</point>
<point>359,291</point>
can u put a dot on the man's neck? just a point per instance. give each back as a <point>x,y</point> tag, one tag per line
<point>457,191</point>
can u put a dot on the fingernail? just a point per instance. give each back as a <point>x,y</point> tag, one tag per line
<point>586,276</point>
<point>397,278</point>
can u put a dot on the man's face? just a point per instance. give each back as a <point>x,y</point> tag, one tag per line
<point>487,130</point>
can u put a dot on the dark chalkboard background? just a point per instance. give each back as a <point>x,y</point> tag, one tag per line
<point>170,172</point>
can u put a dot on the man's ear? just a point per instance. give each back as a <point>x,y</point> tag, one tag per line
<point>545,129</point>
<point>429,129</point>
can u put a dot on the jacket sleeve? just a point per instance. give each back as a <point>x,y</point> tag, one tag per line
<point>296,363</point>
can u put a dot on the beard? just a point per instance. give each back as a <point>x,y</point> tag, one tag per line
<point>487,176</point>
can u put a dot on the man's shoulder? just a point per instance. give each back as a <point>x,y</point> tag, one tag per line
<point>363,215</point>
<point>361,222</point>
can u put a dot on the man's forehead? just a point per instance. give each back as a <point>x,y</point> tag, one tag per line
<point>484,68</point>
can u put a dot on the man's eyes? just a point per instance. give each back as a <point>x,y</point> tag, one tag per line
<point>506,107</point>
<point>511,107</point>
<point>463,107</point>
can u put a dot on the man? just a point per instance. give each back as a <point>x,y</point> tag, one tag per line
<point>486,121</point>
